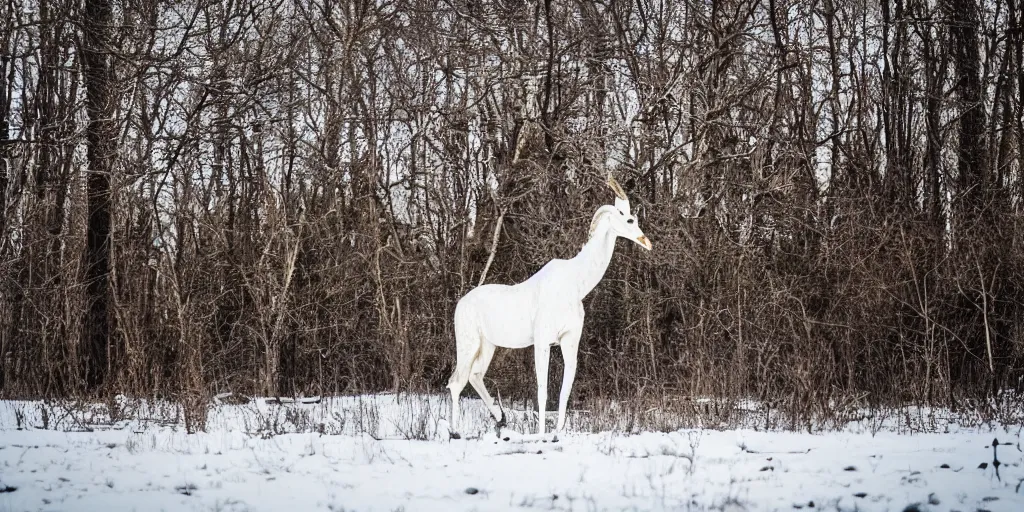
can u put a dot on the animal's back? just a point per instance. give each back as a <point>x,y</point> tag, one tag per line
<point>500,313</point>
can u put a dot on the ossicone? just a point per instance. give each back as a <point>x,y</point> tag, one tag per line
<point>614,185</point>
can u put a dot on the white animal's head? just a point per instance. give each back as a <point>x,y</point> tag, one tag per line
<point>620,219</point>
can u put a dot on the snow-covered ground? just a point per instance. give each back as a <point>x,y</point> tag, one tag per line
<point>383,453</point>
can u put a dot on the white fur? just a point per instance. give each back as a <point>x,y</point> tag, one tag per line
<point>544,310</point>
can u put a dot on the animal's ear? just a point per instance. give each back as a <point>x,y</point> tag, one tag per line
<point>622,205</point>
<point>614,185</point>
<point>601,212</point>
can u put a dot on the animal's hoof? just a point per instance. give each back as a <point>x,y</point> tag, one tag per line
<point>454,435</point>
<point>501,422</point>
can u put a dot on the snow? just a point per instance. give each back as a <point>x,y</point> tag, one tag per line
<point>383,452</point>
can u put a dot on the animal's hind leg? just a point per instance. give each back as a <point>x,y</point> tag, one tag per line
<point>476,378</point>
<point>466,354</point>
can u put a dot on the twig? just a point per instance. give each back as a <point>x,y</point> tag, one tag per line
<point>984,316</point>
<point>494,246</point>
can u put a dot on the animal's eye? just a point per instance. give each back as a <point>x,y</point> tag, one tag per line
<point>630,221</point>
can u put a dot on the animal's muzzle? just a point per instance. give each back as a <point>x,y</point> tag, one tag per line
<point>645,242</point>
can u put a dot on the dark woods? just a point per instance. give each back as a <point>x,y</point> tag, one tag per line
<point>206,196</point>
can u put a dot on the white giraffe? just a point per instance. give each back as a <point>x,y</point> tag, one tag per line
<point>544,310</point>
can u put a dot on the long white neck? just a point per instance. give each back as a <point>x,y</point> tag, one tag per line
<point>592,261</point>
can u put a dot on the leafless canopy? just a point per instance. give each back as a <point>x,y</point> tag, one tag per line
<point>289,197</point>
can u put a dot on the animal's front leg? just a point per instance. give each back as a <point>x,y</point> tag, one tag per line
<point>569,354</point>
<point>541,354</point>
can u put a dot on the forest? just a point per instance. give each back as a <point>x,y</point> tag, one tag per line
<point>289,198</point>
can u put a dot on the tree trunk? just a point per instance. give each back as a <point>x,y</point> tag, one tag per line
<point>972,162</point>
<point>935,64</point>
<point>101,146</point>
